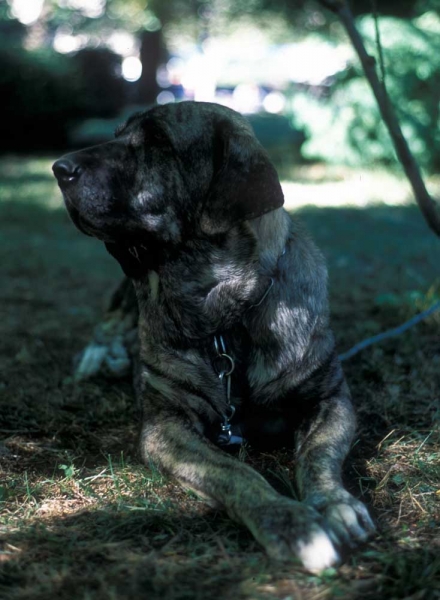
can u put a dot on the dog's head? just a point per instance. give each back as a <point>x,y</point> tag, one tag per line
<point>173,172</point>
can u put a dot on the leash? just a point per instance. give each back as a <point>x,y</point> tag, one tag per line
<point>224,365</point>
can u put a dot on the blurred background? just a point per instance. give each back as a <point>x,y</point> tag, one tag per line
<point>72,69</point>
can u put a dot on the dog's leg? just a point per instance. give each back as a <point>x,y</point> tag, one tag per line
<point>322,445</point>
<point>284,527</point>
<point>114,340</point>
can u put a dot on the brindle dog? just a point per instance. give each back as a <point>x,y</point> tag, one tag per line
<point>233,318</point>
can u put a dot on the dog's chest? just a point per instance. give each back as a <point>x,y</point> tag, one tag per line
<point>209,358</point>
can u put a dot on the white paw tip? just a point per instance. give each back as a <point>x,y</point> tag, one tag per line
<point>91,361</point>
<point>318,553</point>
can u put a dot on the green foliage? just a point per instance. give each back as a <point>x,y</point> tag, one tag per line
<point>349,116</point>
<point>41,88</point>
<point>37,75</point>
<point>47,90</point>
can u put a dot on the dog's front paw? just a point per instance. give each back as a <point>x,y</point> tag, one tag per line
<point>289,529</point>
<point>347,520</point>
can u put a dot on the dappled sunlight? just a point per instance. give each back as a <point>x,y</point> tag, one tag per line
<point>21,167</point>
<point>324,186</point>
<point>43,193</point>
<point>407,471</point>
<point>26,12</point>
<point>30,181</point>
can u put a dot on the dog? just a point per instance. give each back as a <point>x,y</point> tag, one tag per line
<point>233,321</point>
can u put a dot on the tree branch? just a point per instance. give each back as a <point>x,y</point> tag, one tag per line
<point>426,203</point>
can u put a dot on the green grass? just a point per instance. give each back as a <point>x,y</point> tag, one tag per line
<point>82,518</point>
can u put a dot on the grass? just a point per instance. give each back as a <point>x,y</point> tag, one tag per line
<point>82,518</point>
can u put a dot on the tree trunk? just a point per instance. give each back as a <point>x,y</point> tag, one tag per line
<point>426,204</point>
<point>151,55</point>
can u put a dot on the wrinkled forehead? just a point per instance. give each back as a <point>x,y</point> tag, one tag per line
<point>182,122</point>
<point>132,122</point>
<point>141,128</point>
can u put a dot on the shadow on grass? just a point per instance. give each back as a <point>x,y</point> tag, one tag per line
<point>118,553</point>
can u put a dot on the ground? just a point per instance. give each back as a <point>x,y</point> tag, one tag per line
<point>82,518</point>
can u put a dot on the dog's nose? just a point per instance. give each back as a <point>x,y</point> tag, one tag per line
<point>66,171</point>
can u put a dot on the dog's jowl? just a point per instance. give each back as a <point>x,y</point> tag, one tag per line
<point>234,339</point>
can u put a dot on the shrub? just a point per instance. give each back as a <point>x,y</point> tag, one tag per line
<point>346,126</point>
<point>45,92</point>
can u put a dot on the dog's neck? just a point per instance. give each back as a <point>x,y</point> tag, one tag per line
<point>210,286</point>
<point>271,231</point>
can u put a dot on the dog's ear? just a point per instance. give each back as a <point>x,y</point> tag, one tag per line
<point>245,184</point>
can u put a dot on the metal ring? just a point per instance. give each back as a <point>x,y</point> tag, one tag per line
<point>225,373</point>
